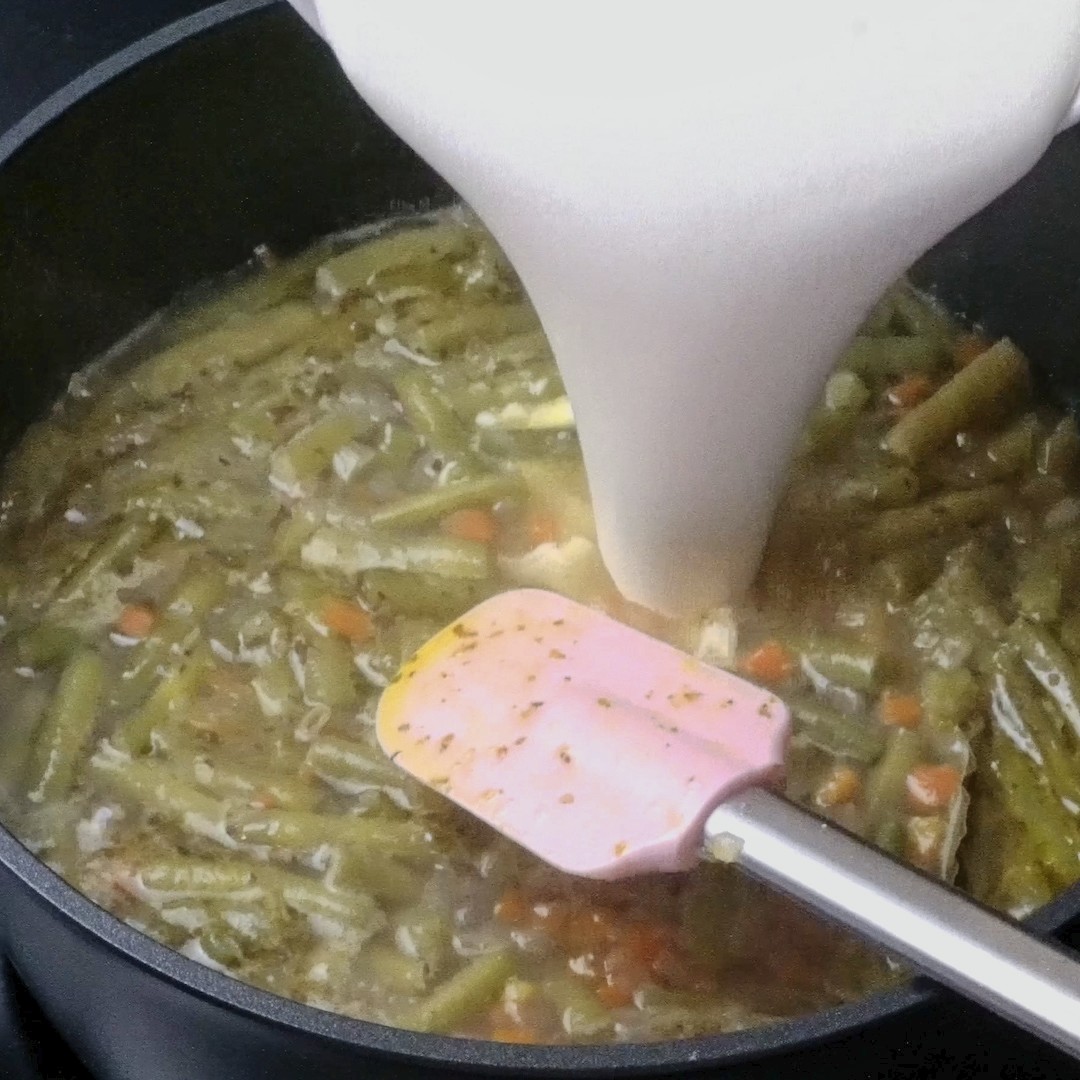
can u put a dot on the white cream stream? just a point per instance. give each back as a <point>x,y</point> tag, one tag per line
<point>703,199</point>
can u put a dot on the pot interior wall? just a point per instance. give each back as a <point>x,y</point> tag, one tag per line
<point>173,174</point>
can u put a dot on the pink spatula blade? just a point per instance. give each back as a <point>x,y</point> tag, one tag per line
<point>596,747</point>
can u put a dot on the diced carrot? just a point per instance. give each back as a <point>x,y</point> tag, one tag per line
<point>136,620</point>
<point>265,800</point>
<point>591,930</point>
<point>472,523</point>
<point>614,995</point>
<point>552,917</point>
<point>910,391</point>
<point>842,786</point>
<point>512,908</point>
<point>645,941</point>
<point>347,619</point>
<point>967,347</point>
<point>770,663</point>
<point>542,528</point>
<point>900,710</point>
<point>507,1033</point>
<point>626,968</point>
<point>932,787</point>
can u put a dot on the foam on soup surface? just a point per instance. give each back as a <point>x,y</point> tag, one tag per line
<point>229,534</point>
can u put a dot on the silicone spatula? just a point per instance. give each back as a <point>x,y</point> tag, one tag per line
<point>609,754</point>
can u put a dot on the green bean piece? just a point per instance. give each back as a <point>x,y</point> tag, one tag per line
<point>200,590</point>
<point>303,593</point>
<point>275,688</point>
<point>1041,493</point>
<point>334,548</point>
<point>939,516</point>
<point>357,268</point>
<point>240,343</point>
<point>262,921</point>
<point>1039,586</point>
<point>207,503</point>
<point>836,732</point>
<point>136,733</point>
<point>349,767</point>
<point>380,875</point>
<point>956,620</point>
<point>580,1013</point>
<point>845,390</point>
<point>426,935</point>
<point>886,788</point>
<point>22,721</point>
<point>920,315</point>
<point>254,288</point>
<point>439,598</point>
<point>1059,452</point>
<point>529,384</point>
<point>1030,802</point>
<point>1013,450</point>
<point>397,973</point>
<point>879,359</point>
<point>329,674</point>
<point>1050,665</point>
<point>889,836</point>
<point>150,787</point>
<point>950,700</point>
<point>1069,634</point>
<point>902,576</point>
<point>122,544</point>
<point>890,486</point>
<point>479,321</point>
<point>221,945</point>
<point>351,914</point>
<point>1018,714</point>
<point>395,645</point>
<point>46,643</point>
<point>311,450</point>
<point>520,446</point>
<point>465,993</point>
<point>303,830</point>
<point>881,321</point>
<point>413,510</point>
<point>435,422</point>
<point>847,663</point>
<point>828,431</point>
<point>184,878</point>
<point>66,729</point>
<point>973,392</point>
<point>256,785</point>
<point>1023,886</point>
<point>396,446</point>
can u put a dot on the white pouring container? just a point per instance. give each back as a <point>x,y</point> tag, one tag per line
<point>703,201</point>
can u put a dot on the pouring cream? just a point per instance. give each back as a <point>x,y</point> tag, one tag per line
<point>703,202</point>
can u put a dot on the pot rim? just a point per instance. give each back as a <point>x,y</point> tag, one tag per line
<point>432,1050</point>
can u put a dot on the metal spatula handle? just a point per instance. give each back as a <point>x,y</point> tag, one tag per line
<point>981,955</point>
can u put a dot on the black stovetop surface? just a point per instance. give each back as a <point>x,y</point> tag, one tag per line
<point>42,47</point>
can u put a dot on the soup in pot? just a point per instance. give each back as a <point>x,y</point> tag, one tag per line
<point>223,542</point>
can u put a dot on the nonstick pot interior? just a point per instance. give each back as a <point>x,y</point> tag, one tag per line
<point>170,167</point>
